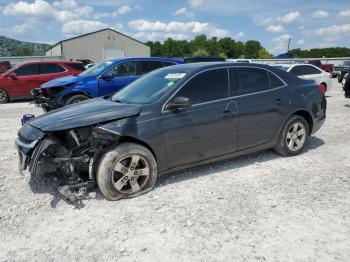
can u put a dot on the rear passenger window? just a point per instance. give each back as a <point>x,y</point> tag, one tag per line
<point>144,67</point>
<point>252,80</point>
<point>207,86</point>
<point>51,68</point>
<point>275,81</point>
<point>297,70</point>
<point>77,66</point>
<point>310,70</point>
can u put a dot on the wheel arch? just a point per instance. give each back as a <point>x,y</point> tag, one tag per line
<point>137,141</point>
<point>307,116</point>
<point>121,139</point>
<point>69,95</point>
<point>9,99</point>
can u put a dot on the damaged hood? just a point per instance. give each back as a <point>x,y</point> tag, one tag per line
<point>85,113</point>
<point>63,81</point>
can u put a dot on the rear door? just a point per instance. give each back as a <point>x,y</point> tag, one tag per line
<point>262,101</point>
<point>208,128</point>
<point>27,78</point>
<point>123,73</point>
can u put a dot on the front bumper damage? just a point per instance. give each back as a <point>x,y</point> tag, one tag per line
<point>41,99</point>
<point>68,155</point>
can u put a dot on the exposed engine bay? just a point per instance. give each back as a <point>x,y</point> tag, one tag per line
<point>72,156</point>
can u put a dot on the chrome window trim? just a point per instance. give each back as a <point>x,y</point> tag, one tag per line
<point>229,87</point>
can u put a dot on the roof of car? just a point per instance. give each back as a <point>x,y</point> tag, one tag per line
<point>165,59</point>
<point>51,62</point>
<point>207,65</point>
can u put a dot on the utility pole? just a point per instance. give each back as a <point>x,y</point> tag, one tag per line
<point>288,45</point>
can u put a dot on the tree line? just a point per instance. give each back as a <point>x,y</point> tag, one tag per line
<point>202,46</point>
<point>322,52</point>
<point>230,48</point>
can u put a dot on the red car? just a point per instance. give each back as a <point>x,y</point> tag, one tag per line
<point>18,82</point>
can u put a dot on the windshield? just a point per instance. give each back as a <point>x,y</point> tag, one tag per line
<point>92,71</point>
<point>149,88</point>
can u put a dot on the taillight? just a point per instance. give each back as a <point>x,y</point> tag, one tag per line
<point>322,88</point>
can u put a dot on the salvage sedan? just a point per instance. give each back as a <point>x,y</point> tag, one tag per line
<point>171,119</point>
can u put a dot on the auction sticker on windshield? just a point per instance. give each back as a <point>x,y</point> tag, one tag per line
<point>175,76</point>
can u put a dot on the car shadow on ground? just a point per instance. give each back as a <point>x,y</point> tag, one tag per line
<point>230,164</point>
<point>47,184</point>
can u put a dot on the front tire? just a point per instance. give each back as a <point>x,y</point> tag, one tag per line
<point>76,99</point>
<point>293,136</point>
<point>128,170</point>
<point>3,96</point>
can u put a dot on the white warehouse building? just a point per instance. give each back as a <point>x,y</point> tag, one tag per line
<point>99,46</point>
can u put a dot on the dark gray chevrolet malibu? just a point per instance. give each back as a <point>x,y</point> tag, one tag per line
<point>170,119</point>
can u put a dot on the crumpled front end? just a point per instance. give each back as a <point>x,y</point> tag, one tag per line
<point>70,155</point>
<point>47,99</point>
<point>28,143</point>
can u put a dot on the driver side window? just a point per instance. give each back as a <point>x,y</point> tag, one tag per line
<point>124,69</point>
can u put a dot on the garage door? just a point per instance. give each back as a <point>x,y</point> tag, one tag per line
<point>110,53</point>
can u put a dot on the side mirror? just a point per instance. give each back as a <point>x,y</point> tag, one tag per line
<point>13,75</point>
<point>178,103</point>
<point>108,76</point>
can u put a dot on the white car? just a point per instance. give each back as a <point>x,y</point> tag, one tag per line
<point>308,72</point>
<point>239,60</point>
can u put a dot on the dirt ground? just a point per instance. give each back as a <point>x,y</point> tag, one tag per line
<point>260,207</point>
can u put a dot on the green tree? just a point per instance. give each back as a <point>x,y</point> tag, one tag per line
<point>239,50</point>
<point>252,48</point>
<point>264,54</point>
<point>200,52</point>
<point>228,47</point>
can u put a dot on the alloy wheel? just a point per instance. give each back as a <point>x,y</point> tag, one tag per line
<point>296,136</point>
<point>130,174</point>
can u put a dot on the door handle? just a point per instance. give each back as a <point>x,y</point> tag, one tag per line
<point>227,113</point>
<point>279,101</point>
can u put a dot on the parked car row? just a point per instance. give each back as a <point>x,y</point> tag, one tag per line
<point>33,79</point>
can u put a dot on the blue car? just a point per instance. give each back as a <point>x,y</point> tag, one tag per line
<point>100,80</point>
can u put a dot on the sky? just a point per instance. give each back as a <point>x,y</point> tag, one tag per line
<point>309,23</point>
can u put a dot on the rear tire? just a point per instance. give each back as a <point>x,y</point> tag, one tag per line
<point>4,98</point>
<point>76,99</point>
<point>128,170</point>
<point>293,137</point>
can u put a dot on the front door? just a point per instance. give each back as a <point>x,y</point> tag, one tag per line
<point>206,129</point>
<point>123,73</point>
<point>25,80</point>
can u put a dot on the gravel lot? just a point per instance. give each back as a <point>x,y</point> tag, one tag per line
<point>260,207</point>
